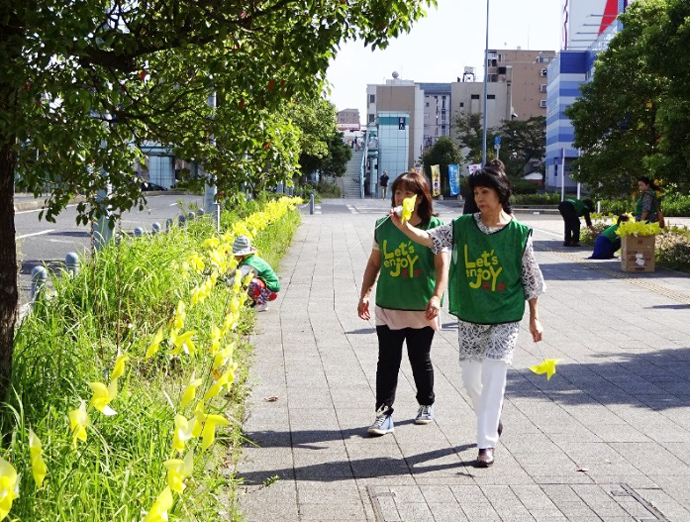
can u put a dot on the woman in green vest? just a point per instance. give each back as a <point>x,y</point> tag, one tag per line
<point>411,283</point>
<point>492,272</point>
<point>647,204</point>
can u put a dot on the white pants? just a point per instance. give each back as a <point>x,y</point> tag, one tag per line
<point>485,383</point>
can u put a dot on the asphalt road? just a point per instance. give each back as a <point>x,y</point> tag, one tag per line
<point>41,242</point>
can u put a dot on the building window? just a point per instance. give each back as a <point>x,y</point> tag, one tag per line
<point>542,104</point>
<point>427,104</point>
<point>475,96</point>
<point>490,96</point>
<point>372,98</point>
<point>443,103</point>
<point>461,104</point>
<point>542,72</point>
<point>372,117</point>
<point>542,59</point>
<point>542,87</point>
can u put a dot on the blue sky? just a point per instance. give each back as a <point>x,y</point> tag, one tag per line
<point>442,44</point>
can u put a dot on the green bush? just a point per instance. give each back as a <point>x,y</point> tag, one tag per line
<point>673,248</point>
<point>535,199</point>
<point>116,303</point>
<point>327,189</point>
<point>673,204</point>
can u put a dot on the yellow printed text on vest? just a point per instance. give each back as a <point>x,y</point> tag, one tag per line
<point>401,260</point>
<point>484,268</point>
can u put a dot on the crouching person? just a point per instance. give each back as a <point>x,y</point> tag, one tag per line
<point>264,286</point>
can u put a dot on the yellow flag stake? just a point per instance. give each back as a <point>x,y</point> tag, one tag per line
<point>547,366</point>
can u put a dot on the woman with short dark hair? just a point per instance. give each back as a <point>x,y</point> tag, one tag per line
<point>411,283</point>
<point>492,272</point>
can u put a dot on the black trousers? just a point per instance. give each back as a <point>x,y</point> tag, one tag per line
<point>390,356</point>
<point>572,223</point>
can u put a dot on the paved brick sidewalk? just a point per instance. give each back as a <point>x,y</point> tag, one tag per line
<point>607,439</point>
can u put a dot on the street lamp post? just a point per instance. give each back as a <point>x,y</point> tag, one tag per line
<point>486,78</point>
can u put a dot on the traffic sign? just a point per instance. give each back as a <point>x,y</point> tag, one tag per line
<point>497,140</point>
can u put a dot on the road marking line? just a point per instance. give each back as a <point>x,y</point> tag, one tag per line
<point>35,234</point>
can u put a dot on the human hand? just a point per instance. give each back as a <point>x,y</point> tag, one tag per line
<point>363,308</point>
<point>433,307</point>
<point>536,330</point>
<point>395,218</point>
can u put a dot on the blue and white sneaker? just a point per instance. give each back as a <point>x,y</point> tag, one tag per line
<point>425,415</point>
<point>382,425</point>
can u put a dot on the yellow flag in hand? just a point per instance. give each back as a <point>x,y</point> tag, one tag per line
<point>408,208</point>
<point>547,366</point>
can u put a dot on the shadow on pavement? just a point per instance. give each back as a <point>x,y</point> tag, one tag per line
<point>365,468</point>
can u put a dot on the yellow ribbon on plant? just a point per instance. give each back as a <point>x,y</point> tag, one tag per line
<point>38,465</point>
<point>211,242</point>
<point>226,379</point>
<point>180,315</point>
<point>159,510</point>
<point>9,487</point>
<point>182,433</point>
<point>216,334</point>
<point>183,343</point>
<point>223,356</point>
<point>208,432</point>
<point>179,470</point>
<point>408,208</point>
<point>196,262</point>
<point>155,343</point>
<point>78,420</point>
<point>190,392</point>
<point>102,396</point>
<point>119,367</point>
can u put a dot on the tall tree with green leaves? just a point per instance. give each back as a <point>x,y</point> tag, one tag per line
<point>616,120</point>
<point>467,129</point>
<point>522,141</point>
<point>84,84</point>
<point>667,56</point>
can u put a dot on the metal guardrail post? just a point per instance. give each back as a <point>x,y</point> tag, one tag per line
<point>156,228</point>
<point>311,203</point>
<point>169,223</point>
<point>71,264</point>
<point>181,219</point>
<point>191,216</point>
<point>39,276</point>
<point>139,231</point>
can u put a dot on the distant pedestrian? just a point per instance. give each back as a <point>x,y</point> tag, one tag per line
<point>383,181</point>
<point>572,210</point>
<point>411,283</point>
<point>608,242</point>
<point>265,285</point>
<point>647,206</point>
<point>492,272</point>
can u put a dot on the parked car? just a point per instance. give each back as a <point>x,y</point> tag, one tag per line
<point>147,186</point>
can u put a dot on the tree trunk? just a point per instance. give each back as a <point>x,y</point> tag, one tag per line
<point>8,265</point>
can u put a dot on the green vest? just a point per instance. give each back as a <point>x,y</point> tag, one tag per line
<point>610,234</point>
<point>408,275</point>
<point>580,208</point>
<point>264,272</point>
<point>651,215</point>
<point>485,284</point>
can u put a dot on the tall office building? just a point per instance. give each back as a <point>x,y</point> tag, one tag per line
<point>397,107</point>
<point>525,71</point>
<point>437,112</point>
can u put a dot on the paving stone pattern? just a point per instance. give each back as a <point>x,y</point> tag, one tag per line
<point>606,439</point>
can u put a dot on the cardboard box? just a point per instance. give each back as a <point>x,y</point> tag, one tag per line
<point>637,253</point>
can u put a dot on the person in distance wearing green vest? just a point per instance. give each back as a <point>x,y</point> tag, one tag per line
<point>411,284</point>
<point>492,272</point>
<point>265,285</point>
<point>647,205</point>
<point>571,210</point>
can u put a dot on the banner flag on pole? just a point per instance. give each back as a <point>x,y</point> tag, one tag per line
<point>454,179</point>
<point>435,180</point>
